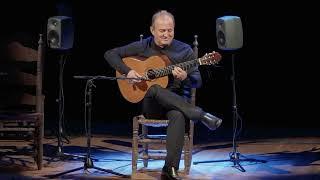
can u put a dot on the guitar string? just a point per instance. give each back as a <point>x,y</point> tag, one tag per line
<point>156,73</point>
<point>167,70</point>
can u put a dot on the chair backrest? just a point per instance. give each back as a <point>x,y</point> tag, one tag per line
<point>25,81</point>
<point>196,53</point>
<point>25,77</point>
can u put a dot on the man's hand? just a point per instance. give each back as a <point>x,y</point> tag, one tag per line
<point>178,73</point>
<point>133,74</point>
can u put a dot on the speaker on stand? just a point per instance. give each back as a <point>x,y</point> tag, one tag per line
<point>229,34</point>
<point>60,36</point>
<point>60,32</point>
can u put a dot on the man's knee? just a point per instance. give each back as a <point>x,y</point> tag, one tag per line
<point>154,89</point>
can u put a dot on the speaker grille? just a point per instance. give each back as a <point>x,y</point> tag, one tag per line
<point>53,39</point>
<point>221,38</point>
<point>60,32</point>
<point>229,32</point>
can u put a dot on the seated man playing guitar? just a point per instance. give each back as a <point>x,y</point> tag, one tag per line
<point>171,94</point>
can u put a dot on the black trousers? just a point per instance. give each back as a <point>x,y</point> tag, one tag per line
<point>161,103</point>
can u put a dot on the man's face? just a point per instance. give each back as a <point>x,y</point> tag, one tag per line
<point>163,30</point>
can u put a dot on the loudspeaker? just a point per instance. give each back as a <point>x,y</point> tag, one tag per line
<point>60,32</point>
<point>229,32</point>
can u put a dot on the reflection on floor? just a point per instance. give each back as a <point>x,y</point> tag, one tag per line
<point>285,158</point>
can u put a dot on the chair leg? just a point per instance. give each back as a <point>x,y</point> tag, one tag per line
<point>187,154</point>
<point>145,154</point>
<point>37,148</point>
<point>135,150</point>
<point>39,137</point>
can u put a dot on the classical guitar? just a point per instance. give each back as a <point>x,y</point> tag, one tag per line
<point>155,70</point>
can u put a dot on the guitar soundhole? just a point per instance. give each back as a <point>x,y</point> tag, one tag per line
<point>151,74</point>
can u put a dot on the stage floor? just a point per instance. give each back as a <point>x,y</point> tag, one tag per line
<point>286,158</point>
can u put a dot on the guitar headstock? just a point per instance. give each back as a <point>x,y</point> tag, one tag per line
<point>210,58</point>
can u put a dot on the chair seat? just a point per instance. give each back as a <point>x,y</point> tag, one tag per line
<point>153,122</point>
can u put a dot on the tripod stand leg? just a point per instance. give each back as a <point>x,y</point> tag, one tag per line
<point>111,172</point>
<point>236,161</point>
<point>60,155</point>
<point>63,173</point>
<point>235,157</point>
<point>66,138</point>
<point>89,164</point>
<point>237,165</point>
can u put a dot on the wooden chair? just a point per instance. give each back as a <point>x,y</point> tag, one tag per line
<point>25,115</point>
<point>142,137</point>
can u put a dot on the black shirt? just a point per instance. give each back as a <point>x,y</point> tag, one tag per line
<point>177,52</point>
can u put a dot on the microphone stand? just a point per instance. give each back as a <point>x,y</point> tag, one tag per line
<point>88,163</point>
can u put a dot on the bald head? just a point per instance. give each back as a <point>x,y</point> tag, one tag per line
<point>162,14</point>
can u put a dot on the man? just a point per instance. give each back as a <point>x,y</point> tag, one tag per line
<point>173,100</point>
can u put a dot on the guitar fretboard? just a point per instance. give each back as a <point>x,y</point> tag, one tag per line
<point>161,72</point>
<point>208,59</point>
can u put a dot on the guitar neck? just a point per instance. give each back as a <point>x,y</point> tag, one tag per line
<point>208,59</point>
<point>161,72</point>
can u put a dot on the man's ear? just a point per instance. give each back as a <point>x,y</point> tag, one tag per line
<point>152,30</point>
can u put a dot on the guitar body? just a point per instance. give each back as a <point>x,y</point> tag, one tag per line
<point>134,93</point>
<point>155,70</point>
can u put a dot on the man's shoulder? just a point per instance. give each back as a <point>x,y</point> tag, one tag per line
<point>179,44</point>
<point>139,44</point>
<point>147,40</point>
<point>143,43</point>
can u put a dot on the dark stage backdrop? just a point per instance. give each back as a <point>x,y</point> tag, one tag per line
<point>273,69</point>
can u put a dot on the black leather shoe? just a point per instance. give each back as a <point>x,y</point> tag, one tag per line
<point>170,173</point>
<point>210,121</point>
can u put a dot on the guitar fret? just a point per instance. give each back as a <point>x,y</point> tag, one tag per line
<point>158,73</point>
<point>184,65</point>
<point>168,70</point>
<point>161,73</point>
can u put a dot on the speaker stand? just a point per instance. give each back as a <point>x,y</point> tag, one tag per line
<point>235,154</point>
<point>60,154</point>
